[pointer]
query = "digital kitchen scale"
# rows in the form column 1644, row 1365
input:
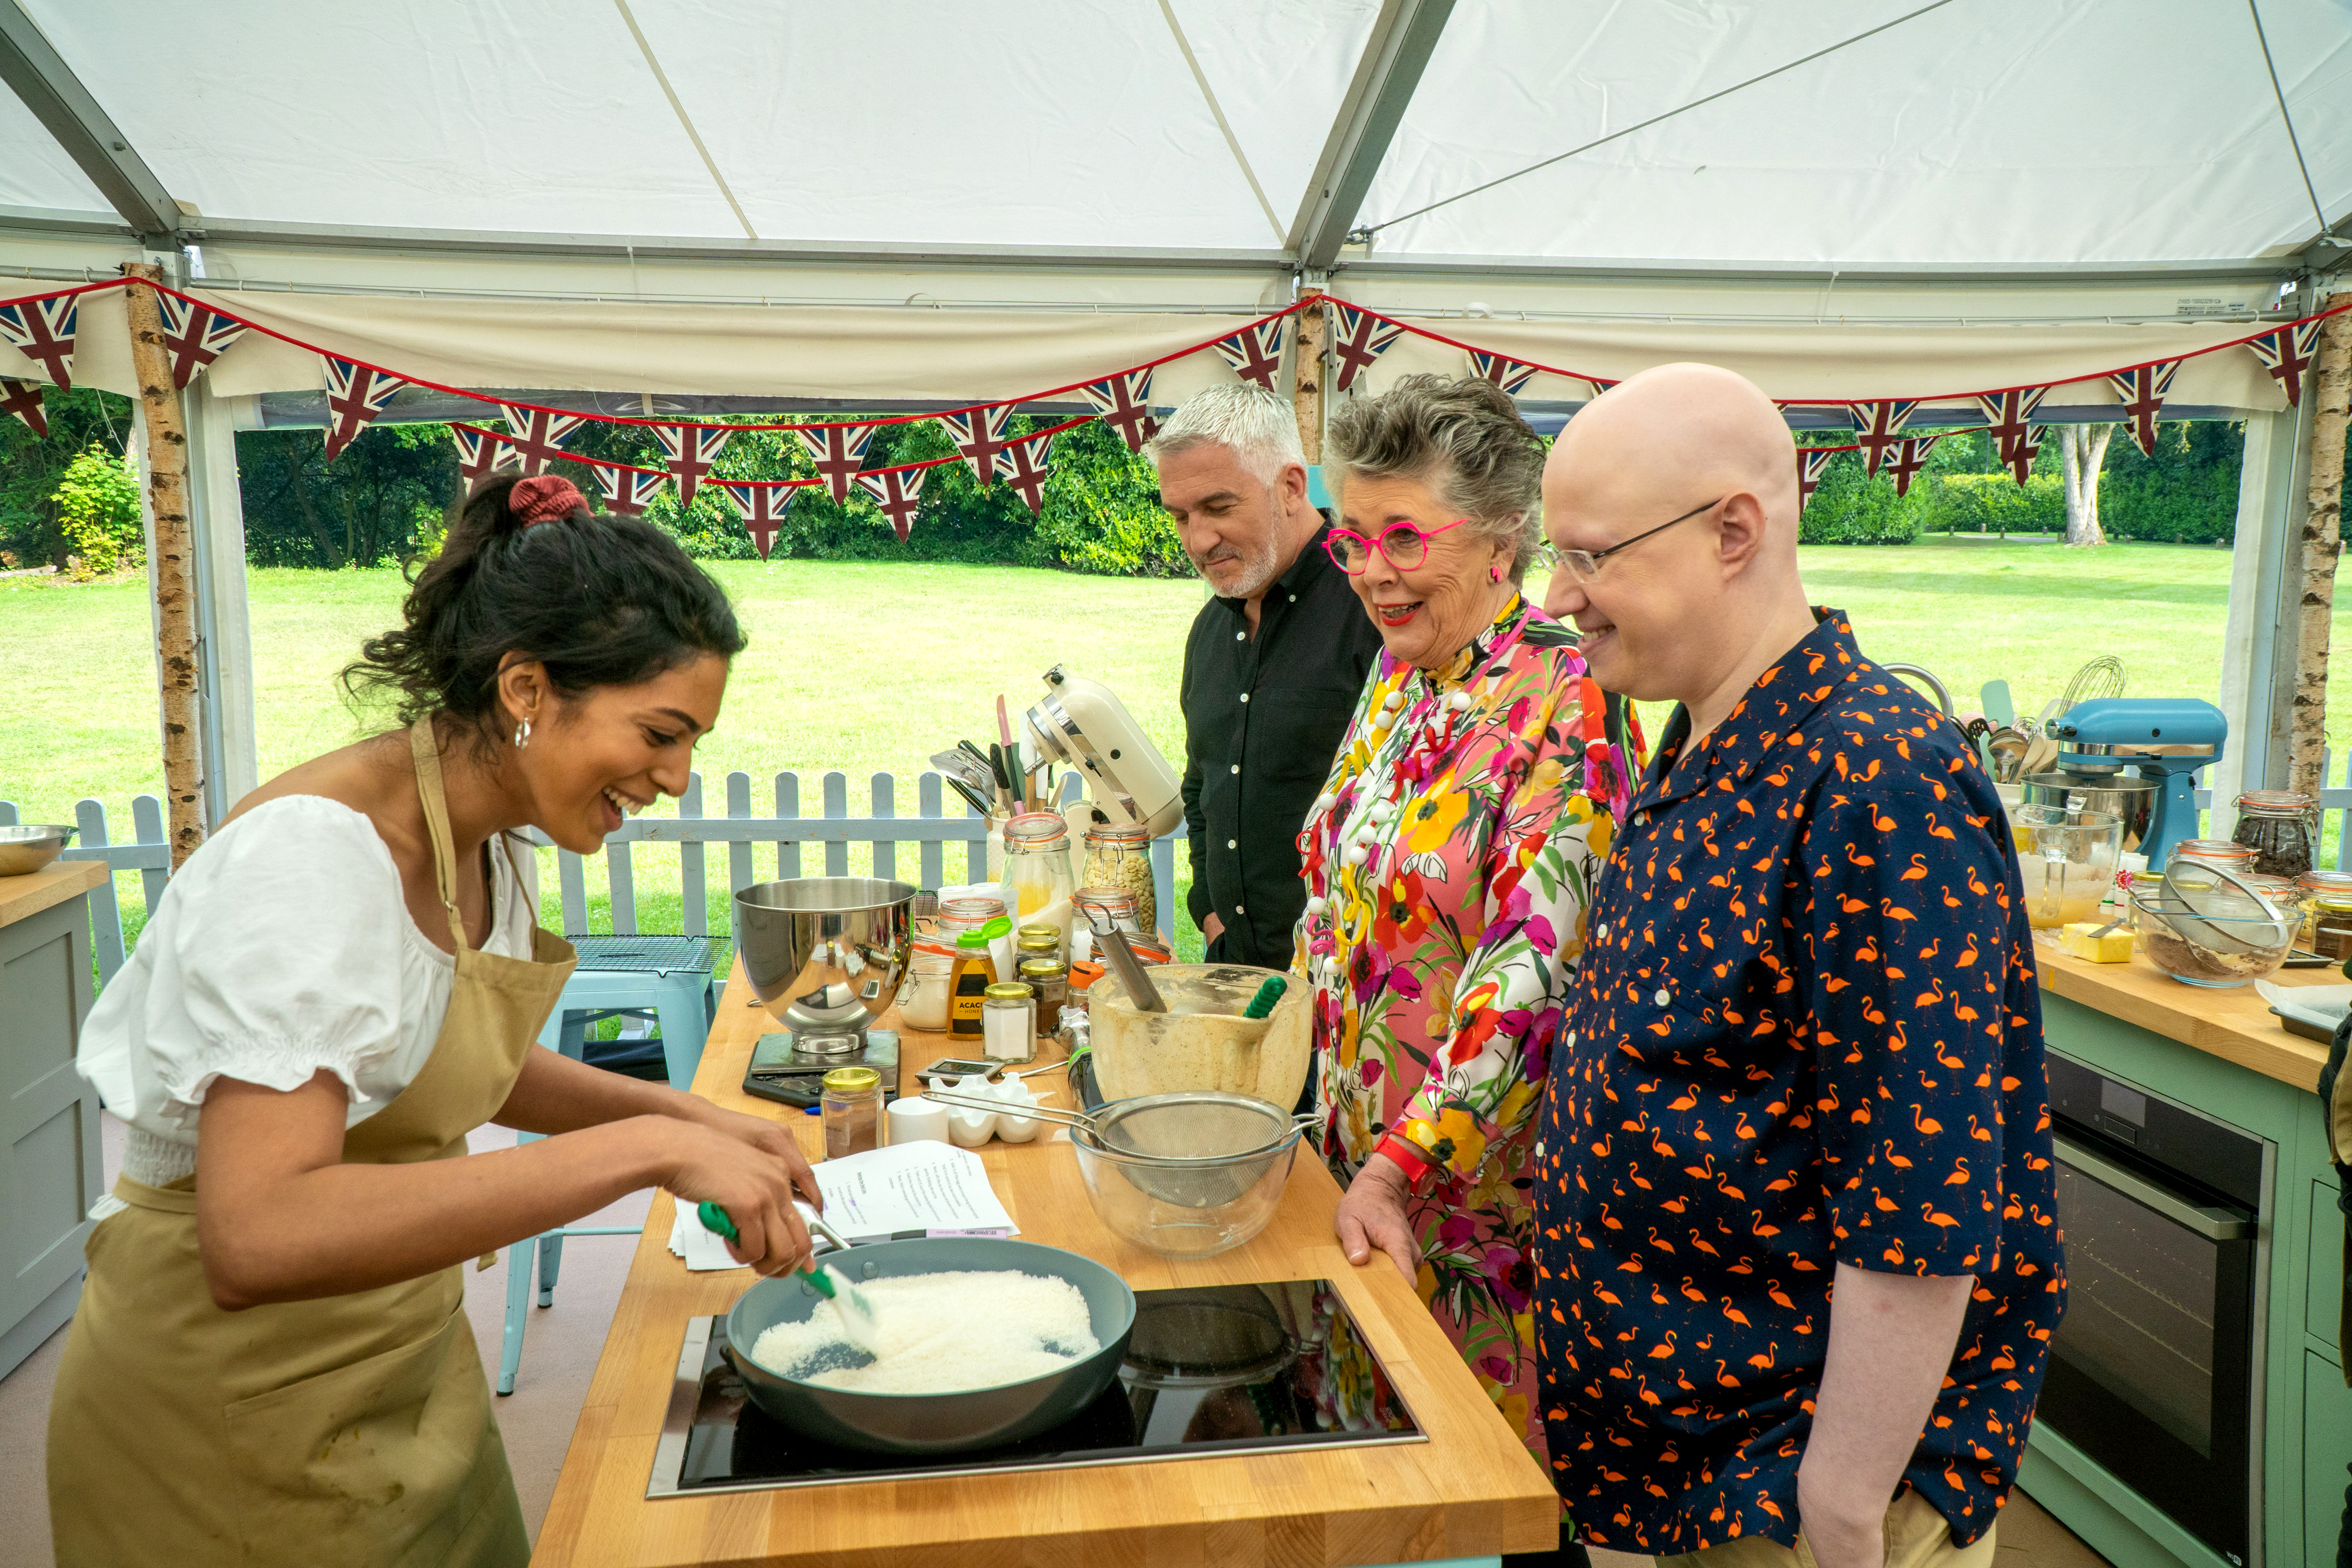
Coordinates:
column 1226, row 1369
column 780, row 1071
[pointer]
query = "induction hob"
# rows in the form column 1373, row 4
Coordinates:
column 1228, row 1369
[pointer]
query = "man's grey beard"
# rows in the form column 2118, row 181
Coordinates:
column 1257, row 573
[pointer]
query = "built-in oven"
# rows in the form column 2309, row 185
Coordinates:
column 2156, row 1371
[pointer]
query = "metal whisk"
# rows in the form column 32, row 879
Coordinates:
column 2103, row 677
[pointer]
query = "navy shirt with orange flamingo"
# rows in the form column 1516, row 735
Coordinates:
column 1805, row 1032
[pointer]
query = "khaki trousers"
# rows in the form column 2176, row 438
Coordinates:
column 1916, row 1537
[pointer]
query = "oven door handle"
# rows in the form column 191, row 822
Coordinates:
column 2212, row 1224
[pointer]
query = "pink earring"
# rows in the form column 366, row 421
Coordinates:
column 1494, row 573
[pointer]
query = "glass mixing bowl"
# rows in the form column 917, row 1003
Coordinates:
column 2068, row 860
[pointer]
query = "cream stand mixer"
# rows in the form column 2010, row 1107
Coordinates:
column 1082, row 724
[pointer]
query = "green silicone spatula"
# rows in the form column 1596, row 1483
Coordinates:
column 1999, row 707
column 859, row 1323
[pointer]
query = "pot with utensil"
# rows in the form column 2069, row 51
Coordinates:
column 932, row 1423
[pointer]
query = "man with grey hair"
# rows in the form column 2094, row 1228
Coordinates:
column 1272, row 668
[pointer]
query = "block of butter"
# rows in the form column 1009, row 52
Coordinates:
column 2077, row 939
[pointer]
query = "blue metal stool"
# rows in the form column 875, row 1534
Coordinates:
column 668, row 977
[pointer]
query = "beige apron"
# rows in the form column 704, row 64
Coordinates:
column 352, row 1430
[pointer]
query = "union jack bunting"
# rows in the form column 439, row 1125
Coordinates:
column 1360, row 339
column 628, row 491
column 1810, row 462
column 1878, row 427
column 761, row 506
column 1255, row 351
column 1121, row 400
column 1909, row 456
column 480, row 453
column 1027, row 468
column 194, row 336
column 2141, row 392
column 1503, row 372
column 837, row 450
column 689, row 450
column 44, row 330
column 356, row 394
column 979, row 438
column 2286, row 351
column 896, row 491
column 539, row 435
column 2008, row 420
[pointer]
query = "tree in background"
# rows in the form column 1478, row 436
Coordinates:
column 97, row 511
column 2081, row 454
column 32, row 532
column 381, row 500
column 385, row 499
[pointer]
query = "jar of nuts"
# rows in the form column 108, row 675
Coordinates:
column 1118, row 855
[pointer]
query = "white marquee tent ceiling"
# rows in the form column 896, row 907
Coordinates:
column 1981, row 132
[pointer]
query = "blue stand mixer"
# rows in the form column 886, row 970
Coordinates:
column 2108, row 734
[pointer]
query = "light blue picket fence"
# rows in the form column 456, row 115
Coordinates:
column 922, row 840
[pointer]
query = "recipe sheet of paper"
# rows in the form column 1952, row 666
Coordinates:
column 702, row 1247
column 911, row 1189
column 886, row 1195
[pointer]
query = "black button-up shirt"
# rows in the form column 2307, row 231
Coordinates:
column 1805, row 1032
column 1264, row 717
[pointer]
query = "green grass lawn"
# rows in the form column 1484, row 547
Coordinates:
column 871, row 667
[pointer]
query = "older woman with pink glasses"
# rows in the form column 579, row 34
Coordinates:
column 1448, row 860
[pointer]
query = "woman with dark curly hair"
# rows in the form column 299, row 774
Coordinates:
column 272, row 1362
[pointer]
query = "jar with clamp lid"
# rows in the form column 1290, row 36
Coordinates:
column 2326, row 913
column 2226, row 853
column 2282, row 828
column 1037, row 869
column 852, row 1105
column 1118, row 855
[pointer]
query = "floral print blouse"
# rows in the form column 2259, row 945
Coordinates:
column 1448, row 861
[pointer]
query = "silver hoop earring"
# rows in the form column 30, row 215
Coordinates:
column 522, row 734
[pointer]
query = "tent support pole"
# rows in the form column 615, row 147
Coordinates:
column 2330, row 391
column 224, row 625
column 172, row 564
column 2258, row 643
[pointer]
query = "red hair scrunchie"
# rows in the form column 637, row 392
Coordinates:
column 543, row 498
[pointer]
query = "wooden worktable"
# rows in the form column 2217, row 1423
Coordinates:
column 1471, row 1490
column 51, row 885
column 2235, row 1025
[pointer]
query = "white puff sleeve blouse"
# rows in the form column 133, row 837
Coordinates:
column 283, row 947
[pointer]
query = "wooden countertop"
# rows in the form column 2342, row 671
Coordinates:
column 1471, row 1490
column 2235, row 1025
column 52, row 884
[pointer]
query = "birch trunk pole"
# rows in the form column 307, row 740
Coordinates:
column 1307, row 380
column 174, row 564
column 2330, row 382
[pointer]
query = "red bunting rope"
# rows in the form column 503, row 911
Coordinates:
column 1205, row 344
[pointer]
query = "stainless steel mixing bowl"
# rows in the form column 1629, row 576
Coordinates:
column 2127, row 795
column 825, row 952
column 29, row 847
